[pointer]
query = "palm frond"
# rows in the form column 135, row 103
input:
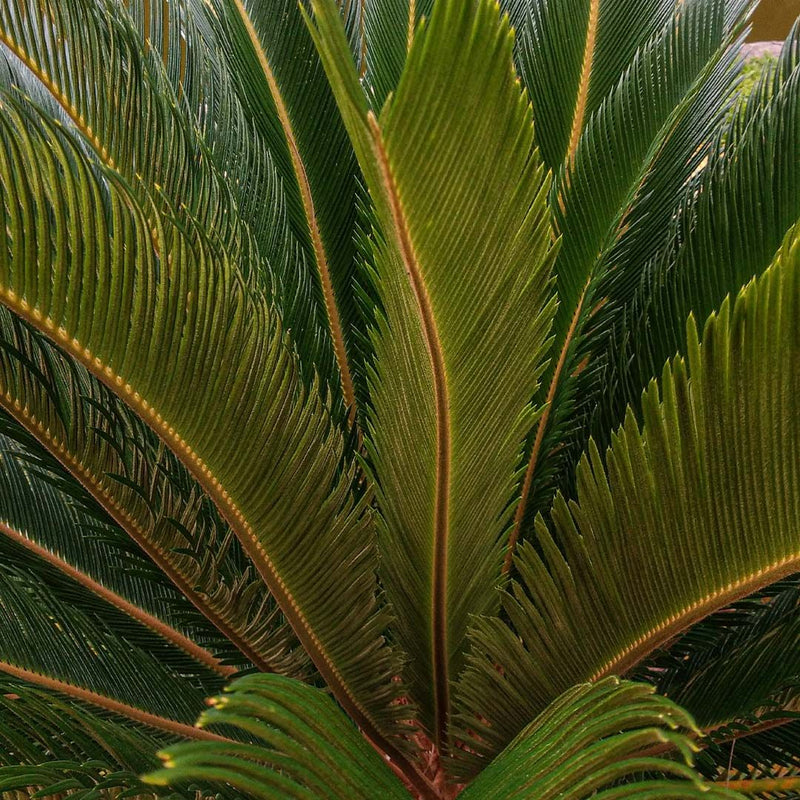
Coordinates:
column 389, row 28
column 683, row 518
column 282, row 85
column 113, row 466
column 612, row 200
column 728, row 229
column 51, row 644
column 303, row 747
column 38, row 726
column 463, row 268
column 261, row 445
column 592, row 742
column 570, row 54
column 40, row 522
column 737, row 662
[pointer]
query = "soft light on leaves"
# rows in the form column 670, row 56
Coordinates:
column 681, row 518
column 301, row 747
column 463, row 267
column 160, row 314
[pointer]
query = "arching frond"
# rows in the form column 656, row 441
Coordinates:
column 691, row 513
column 463, row 276
column 570, row 54
column 159, row 319
column 53, row 645
column 613, row 200
column 592, row 742
column 283, row 87
column 303, row 747
column 109, row 458
column 77, row 558
column 728, row 230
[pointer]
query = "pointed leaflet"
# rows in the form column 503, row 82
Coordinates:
column 302, row 747
column 463, row 268
column 166, row 319
column 589, row 743
column 697, row 510
column 282, row 85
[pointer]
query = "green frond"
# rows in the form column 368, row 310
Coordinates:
column 571, row 54
column 613, row 200
column 113, row 465
column 46, row 534
column 389, row 28
column 303, row 747
column 680, row 519
column 262, row 446
column 57, row 646
column 193, row 146
column 282, row 86
column 760, row 747
column 463, row 275
column 734, row 663
column 592, row 742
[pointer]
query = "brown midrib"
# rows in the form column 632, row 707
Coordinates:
column 320, row 256
column 140, row 615
column 109, row 704
column 441, row 519
column 541, row 429
column 93, row 486
column 656, row 637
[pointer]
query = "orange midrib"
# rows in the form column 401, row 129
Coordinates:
column 441, row 521
column 109, row 704
column 541, row 428
column 586, row 75
column 321, row 258
column 140, row 615
column 94, row 487
column 231, row 514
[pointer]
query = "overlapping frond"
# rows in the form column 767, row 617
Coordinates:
column 302, row 747
column 592, row 742
column 56, row 646
column 695, row 511
column 463, row 268
column 159, row 313
column 39, row 726
column 613, row 202
column 175, row 131
column 83, row 562
column 111, row 458
column 282, row 86
column 740, row 661
column 728, row 229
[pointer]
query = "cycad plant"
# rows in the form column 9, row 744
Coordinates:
column 435, row 364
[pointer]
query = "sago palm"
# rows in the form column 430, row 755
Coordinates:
column 431, row 364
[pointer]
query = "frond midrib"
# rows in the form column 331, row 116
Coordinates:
column 156, row 625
